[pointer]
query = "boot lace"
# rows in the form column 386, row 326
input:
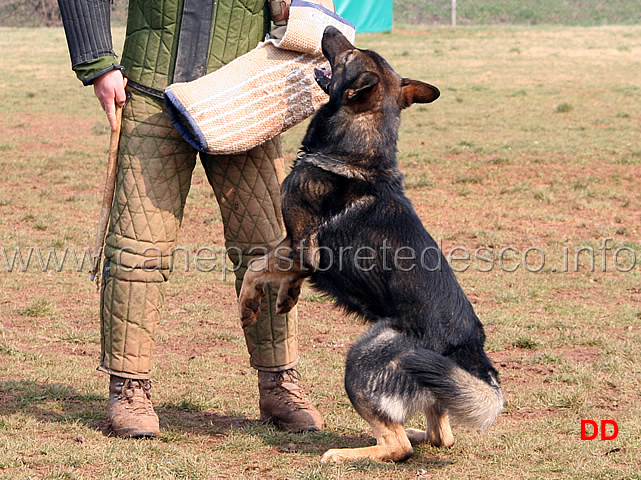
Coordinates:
column 138, row 402
column 288, row 390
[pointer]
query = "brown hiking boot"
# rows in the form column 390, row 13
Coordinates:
column 284, row 402
column 131, row 413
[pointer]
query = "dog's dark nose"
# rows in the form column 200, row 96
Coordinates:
column 332, row 33
column 331, row 30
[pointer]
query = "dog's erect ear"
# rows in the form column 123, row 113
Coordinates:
column 362, row 84
column 414, row 91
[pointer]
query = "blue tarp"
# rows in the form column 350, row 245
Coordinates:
column 366, row 15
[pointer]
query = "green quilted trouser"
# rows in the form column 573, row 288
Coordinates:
column 154, row 176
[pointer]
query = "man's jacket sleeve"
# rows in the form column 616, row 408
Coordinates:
column 87, row 26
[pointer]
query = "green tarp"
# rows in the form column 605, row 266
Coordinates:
column 366, row 15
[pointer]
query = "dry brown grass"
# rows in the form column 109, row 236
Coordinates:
column 533, row 144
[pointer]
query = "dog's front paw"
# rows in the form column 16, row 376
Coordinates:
column 285, row 303
column 249, row 305
column 334, row 456
column 288, row 294
column 249, row 314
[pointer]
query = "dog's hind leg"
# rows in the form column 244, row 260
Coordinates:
column 438, row 432
column 391, row 444
column 415, row 435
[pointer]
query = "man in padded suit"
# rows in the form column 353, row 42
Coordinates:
column 171, row 41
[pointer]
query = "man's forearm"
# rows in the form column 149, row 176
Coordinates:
column 87, row 26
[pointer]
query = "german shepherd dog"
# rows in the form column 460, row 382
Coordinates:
column 352, row 231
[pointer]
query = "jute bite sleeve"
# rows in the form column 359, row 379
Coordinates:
column 260, row 94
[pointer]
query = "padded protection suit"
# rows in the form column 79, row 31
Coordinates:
column 168, row 41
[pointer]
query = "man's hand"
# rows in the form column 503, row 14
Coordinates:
column 110, row 90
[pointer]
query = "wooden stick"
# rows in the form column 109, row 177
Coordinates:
column 107, row 198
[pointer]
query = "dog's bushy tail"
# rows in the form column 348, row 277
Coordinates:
column 468, row 399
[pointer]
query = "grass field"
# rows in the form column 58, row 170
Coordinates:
column 527, row 169
column 550, row 12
